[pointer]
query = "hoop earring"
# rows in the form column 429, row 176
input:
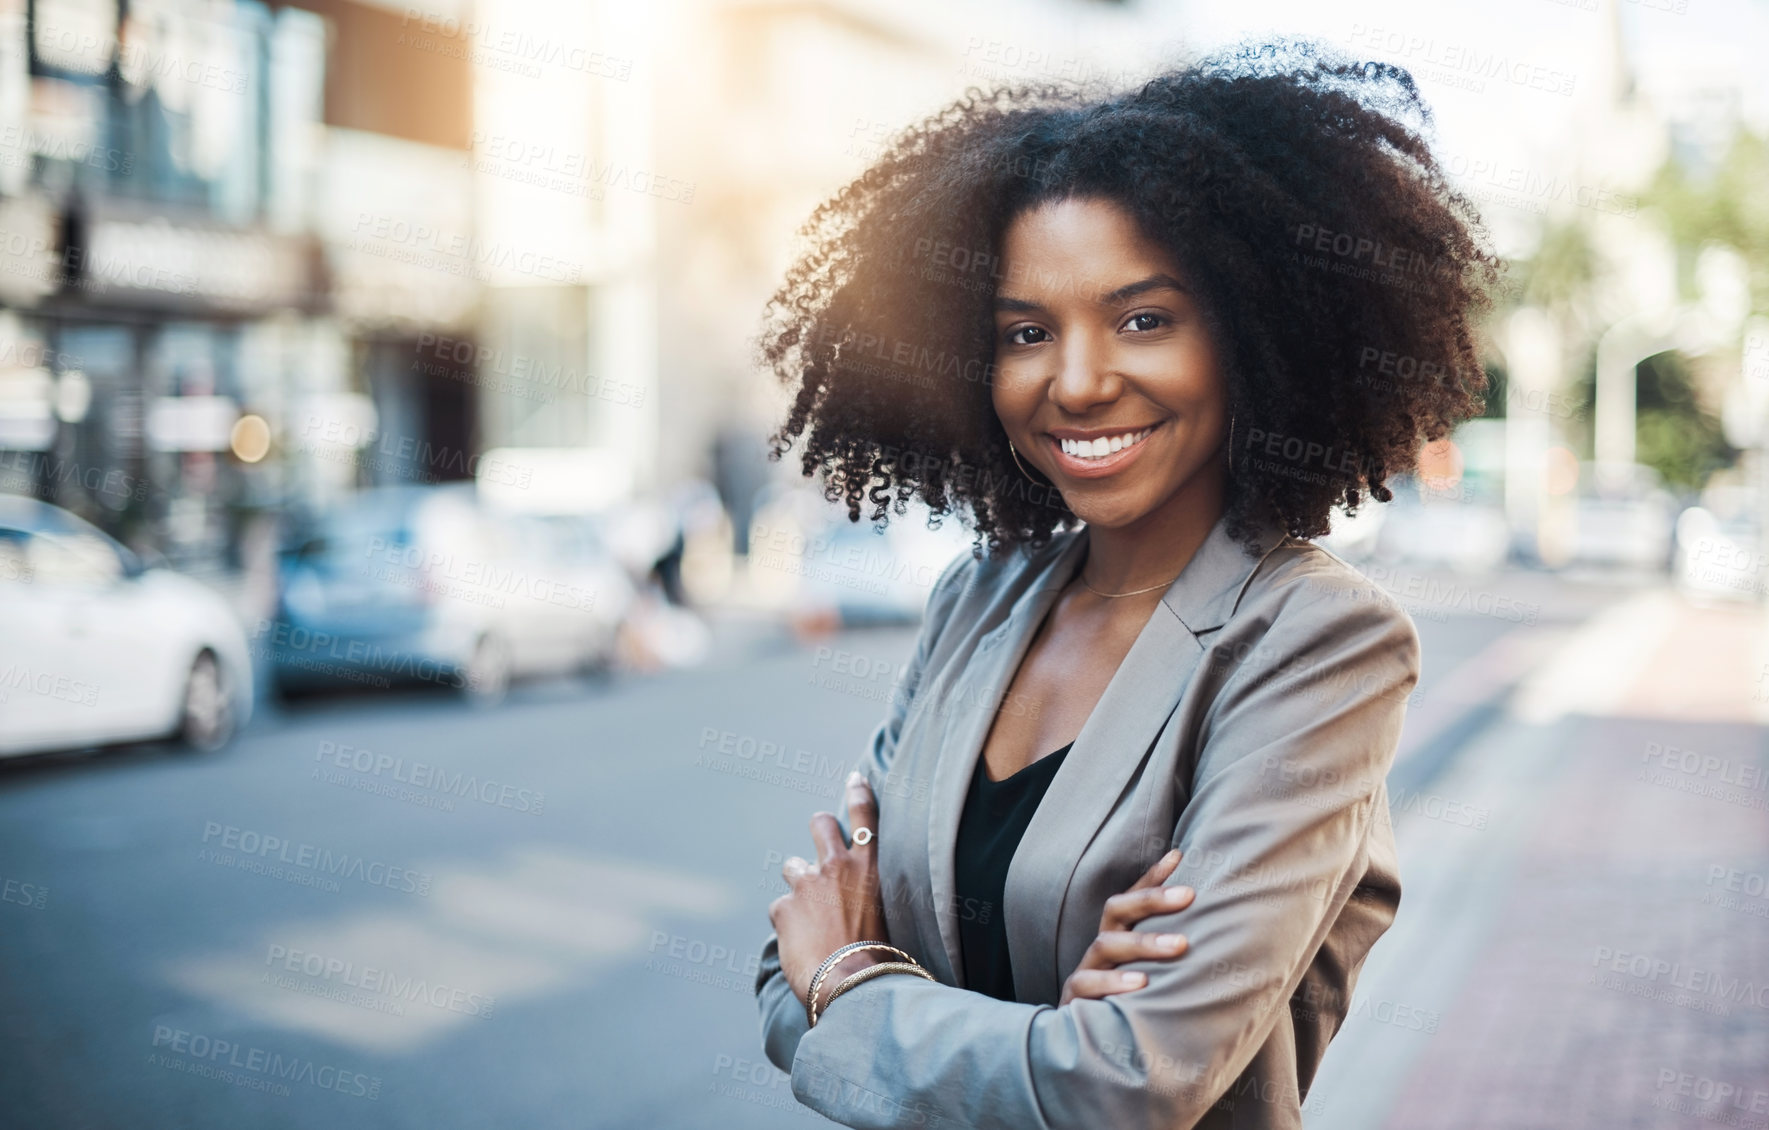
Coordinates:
column 1021, row 466
column 1229, row 447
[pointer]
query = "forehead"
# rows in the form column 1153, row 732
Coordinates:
column 1078, row 246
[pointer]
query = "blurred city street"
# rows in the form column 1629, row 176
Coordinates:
column 569, row 940
column 414, row 670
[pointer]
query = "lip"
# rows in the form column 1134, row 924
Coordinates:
column 1103, row 466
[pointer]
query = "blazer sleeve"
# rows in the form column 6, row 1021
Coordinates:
column 783, row 1015
column 1294, row 753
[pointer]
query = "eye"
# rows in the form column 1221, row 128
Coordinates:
column 1018, row 336
column 1145, row 322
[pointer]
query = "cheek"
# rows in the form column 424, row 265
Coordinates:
column 1013, row 390
column 1183, row 378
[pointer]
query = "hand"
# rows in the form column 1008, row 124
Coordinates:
column 1117, row 943
column 833, row 901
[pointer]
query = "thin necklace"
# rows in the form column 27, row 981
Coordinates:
column 1132, row 592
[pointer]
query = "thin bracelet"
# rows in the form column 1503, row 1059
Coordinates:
column 869, row 973
column 835, row 959
column 830, row 962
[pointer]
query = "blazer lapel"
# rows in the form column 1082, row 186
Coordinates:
column 971, row 701
column 1117, row 736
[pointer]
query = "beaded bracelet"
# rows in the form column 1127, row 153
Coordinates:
column 830, row 962
column 869, row 973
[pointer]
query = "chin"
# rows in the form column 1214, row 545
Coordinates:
column 1109, row 514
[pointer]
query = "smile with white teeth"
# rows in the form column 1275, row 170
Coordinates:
column 1104, row 445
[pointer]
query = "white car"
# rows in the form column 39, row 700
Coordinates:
column 98, row 648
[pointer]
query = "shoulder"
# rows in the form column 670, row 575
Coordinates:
column 1303, row 596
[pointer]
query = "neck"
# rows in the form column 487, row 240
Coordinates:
column 1155, row 548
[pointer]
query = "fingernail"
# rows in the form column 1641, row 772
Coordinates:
column 1174, row 854
column 854, row 778
column 1178, row 894
column 1132, row 978
column 1168, row 941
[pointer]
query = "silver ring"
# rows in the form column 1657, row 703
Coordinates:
column 863, row 836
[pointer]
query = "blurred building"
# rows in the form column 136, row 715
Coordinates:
column 149, row 277
column 257, row 257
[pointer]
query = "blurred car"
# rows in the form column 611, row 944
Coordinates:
column 1463, row 529
column 1623, row 520
column 424, row 584
column 830, row 572
column 98, row 647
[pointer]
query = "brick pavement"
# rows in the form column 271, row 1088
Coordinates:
column 1587, row 963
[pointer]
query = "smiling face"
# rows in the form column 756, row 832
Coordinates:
column 1107, row 378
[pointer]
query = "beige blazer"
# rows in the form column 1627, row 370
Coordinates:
column 1252, row 725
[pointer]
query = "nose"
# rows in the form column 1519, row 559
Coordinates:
column 1087, row 378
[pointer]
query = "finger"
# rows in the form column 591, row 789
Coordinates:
column 794, row 868
column 1120, row 947
column 1126, row 910
column 1093, row 984
column 1157, row 874
column 828, row 834
column 862, row 813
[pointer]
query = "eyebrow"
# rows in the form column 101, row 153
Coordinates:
column 1142, row 286
column 1125, row 293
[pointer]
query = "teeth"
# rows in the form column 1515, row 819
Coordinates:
column 1105, row 445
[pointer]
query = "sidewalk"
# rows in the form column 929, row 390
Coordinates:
column 1586, row 942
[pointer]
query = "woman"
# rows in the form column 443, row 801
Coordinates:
column 1124, row 830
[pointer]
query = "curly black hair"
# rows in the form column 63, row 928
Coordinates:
column 1340, row 274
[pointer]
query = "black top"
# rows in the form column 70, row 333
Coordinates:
column 995, row 817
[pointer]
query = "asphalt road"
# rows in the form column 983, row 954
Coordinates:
column 405, row 912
